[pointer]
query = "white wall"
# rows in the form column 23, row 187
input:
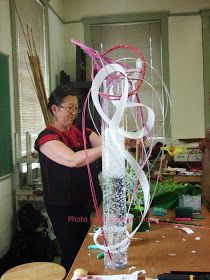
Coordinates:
column 77, row 32
column 75, row 10
column 7, row 215
column 7, row 209
column 58, row 6
column 56, row 45
column 186, row 77
column 185, row 52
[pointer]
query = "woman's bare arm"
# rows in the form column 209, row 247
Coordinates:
column 95, row 140
column 60, row 153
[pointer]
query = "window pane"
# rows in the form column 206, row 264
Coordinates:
column 146, row 37
column 31, row 118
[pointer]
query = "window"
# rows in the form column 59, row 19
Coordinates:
column 150, row 37
column 31, row 120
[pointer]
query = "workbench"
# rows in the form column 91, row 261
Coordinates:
column 164, row 248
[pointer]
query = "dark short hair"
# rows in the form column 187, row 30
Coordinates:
column 58, row 94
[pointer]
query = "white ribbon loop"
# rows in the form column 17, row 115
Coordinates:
column 115, row 129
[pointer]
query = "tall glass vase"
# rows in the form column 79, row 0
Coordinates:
column 114, row 200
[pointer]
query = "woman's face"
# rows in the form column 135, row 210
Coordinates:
column 67, row 111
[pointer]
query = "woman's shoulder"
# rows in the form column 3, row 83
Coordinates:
column 48, row 130
column 46, row 135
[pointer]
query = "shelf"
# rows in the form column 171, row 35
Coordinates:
column 27, row 194
column 187, row 179
column 28, row 160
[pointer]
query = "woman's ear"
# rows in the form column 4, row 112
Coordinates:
column 54, row 109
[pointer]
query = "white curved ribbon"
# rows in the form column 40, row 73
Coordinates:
column 114, row 130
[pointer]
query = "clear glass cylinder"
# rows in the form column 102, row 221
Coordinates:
column 114, row 199
column 115, row 225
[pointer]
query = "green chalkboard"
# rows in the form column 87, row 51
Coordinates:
column 5, row 122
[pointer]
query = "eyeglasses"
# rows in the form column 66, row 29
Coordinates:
column 70, row 109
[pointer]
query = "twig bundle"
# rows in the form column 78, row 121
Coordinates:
column 38, row 80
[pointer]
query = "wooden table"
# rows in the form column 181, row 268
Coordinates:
column 35, row 270
column 165, row 248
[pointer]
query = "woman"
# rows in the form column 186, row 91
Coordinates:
column 64, row 174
